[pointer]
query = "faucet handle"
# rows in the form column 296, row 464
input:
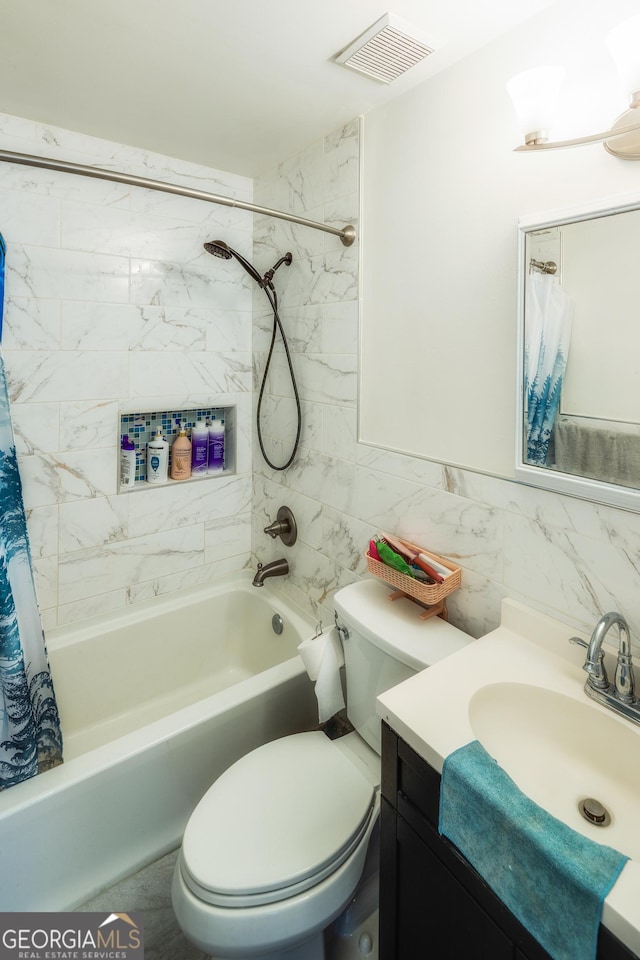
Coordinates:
column 579, row 641
column 597, row 672
column 595, row 668
column 624, row 676
column 284, row 527
column 624, row 679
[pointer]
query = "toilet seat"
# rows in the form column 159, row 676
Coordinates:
column 276, row 823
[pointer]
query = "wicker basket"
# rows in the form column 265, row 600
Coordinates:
column 429, row 593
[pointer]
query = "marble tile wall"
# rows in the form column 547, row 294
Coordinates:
column 569, row 558
column 112, row 306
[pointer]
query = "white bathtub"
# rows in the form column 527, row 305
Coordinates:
column 155, row 703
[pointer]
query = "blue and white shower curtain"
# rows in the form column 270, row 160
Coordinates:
column 30, row 735
column 547, row 336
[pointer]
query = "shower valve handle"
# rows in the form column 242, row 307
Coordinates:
column 284, row 527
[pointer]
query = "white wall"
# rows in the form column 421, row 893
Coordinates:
column 442, row 194
column 567, row 557
column 111, row 305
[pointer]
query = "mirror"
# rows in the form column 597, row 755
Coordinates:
column 578, row 404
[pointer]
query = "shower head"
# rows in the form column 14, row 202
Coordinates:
column 221, row 249
column 218, row 248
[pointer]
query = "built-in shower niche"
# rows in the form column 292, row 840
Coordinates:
column 141, row 427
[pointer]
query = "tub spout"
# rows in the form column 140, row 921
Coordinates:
column 277, row 568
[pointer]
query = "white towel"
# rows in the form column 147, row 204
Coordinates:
column 323, row 657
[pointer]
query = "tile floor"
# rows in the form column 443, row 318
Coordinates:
column 149, row 891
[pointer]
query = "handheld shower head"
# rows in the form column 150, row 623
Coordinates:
column 221, row 249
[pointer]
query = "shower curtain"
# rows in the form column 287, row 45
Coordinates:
column 30, row 735
column 548, row 321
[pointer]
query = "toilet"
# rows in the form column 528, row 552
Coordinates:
column 275, row 850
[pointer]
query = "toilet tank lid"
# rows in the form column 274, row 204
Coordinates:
column 395, row 627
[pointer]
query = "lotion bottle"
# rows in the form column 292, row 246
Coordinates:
column 181, row 456
column 127, row 463
column 157, row 459
column 199, row 448
column 215, row 462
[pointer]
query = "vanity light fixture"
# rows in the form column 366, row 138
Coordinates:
column 535, row 94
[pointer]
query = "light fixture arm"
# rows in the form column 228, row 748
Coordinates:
column 579, row 141
column 535, row 97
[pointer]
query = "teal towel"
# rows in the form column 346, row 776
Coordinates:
column 552, row 878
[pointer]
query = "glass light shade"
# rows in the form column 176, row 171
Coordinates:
column 624, row 46
column 535, row 98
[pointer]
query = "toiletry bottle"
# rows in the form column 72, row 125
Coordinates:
column 157, row 459
column 181, row 456
column 199, row 449
column 127, row 463
column 215, row 463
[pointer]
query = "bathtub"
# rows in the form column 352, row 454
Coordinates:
column 155, row 703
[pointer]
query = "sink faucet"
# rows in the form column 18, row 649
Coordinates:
column 619, row 696
column 594, row 663
column 277, row 568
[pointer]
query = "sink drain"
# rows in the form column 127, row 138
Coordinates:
column 593, row 811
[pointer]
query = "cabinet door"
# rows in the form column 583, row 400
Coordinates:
column 432, row 903
column 435, row 916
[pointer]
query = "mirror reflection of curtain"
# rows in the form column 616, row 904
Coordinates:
column 30, row 735
column 547, row 336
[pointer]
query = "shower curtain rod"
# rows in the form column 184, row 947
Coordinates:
column 347, row 234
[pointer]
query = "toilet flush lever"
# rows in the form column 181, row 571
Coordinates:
column 343, row 632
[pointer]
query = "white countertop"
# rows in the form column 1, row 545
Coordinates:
column 430, row 711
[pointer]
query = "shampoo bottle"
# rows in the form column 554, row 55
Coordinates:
column 181, row 456
column 216, row 447
column 199, row 449
column 127, row 463
column 157, row 459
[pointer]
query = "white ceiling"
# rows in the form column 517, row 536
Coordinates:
column 236, row 85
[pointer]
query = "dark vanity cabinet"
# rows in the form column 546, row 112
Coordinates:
column 432, row 902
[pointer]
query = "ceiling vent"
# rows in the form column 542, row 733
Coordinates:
column 386, row 50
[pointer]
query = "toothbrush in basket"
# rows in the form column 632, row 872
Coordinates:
column 412, row 554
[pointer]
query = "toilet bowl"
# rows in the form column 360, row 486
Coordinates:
column 274, row 851
column 288, row 853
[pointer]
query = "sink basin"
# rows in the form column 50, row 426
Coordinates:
column 559, row 751
column 519, row 690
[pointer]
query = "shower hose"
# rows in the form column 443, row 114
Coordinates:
column 277, row 325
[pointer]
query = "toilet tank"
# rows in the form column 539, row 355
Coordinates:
column 384, row 644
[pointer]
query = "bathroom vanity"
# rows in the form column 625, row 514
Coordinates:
column 430, row 896
column 519, row 692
